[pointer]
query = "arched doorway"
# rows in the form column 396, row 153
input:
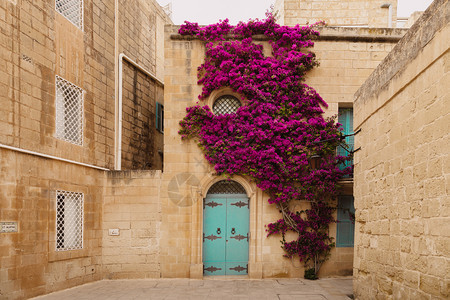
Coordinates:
column 226, row 220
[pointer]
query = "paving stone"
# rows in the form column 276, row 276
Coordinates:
column 214, row 288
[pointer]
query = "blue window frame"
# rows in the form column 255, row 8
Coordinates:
column 345, row 117
column 345, row 232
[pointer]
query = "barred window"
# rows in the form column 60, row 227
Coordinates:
column 72, row 10
column 69, row 220
column 69, row 112
column 226, row 105
column 226, row 187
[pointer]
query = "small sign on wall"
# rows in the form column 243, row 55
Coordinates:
column 114, row 232
column 6, row 227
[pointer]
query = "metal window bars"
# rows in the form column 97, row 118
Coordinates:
column 72, row 10
column 226, row 104
column 69, row 220
column 226, row 187
column 69, row 112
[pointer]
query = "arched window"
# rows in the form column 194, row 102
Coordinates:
column 226, row 104
column 226, row 187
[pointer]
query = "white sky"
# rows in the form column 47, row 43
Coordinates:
column 211, row 11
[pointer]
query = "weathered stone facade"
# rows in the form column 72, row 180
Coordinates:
column 147, row 223
column 335, row 12
column 38, row 44
column 402, row 171
column 347, row 56
column 30, row 265
column 141, row 37
column 131, row 205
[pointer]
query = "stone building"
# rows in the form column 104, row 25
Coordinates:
column 61, row 107
column 354, row 13
column 92, row 93
column 402, row 173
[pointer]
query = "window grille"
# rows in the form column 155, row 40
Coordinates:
column 159, row 117
column 226, row 105
column 72, row 10
column 69, row 220
column 69, row 112
column 226, row 187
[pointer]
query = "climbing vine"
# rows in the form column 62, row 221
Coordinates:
column 277, row 132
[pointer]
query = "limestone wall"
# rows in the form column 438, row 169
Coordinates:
column 30, row 264
column 402, row 171
column 335, row 12
column 39, row 43
column 141, row 141
column 131, row 205
column 183, row 162
column 347, row 56
column 141, row 38
column 124, row 200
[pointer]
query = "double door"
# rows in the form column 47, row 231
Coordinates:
column 225, row 234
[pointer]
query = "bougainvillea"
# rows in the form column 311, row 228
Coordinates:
column 278, row 130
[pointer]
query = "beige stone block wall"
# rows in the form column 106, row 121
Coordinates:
column 347, row 56
column 39, row 43
column 30, row 264
column 335, row 12
column 141, row 37
column 141, row 141
column 183, row 162
column 402, row 171
column 141, row 27
column 278, row 10
column 131, row 205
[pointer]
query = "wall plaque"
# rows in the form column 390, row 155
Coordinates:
column 6, row 227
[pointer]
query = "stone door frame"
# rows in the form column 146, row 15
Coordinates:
column 255, row 243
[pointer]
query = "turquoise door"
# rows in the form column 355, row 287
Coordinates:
column 225, row 234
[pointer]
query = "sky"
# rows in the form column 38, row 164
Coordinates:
column 211, row 11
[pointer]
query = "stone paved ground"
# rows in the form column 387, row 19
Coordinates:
column 322, row 289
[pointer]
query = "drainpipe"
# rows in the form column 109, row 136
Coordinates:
column 388, row 5
column 122, row 57
column 116, row 84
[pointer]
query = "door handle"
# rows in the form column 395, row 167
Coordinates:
column 218, row 231
column 233, row 231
